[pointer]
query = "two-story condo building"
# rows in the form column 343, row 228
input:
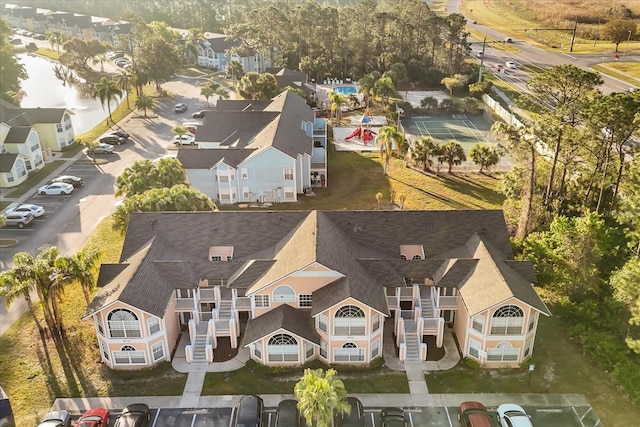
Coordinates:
column 258, row 151
column 294, row 286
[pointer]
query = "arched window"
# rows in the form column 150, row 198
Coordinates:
column 349, row 320
column 123, row 324
column 507, row 320
column 284, row 293
column 403, row 256
column 416, row 257
column 349, row 353
column 282, row 348
column 503, row 352
column 128, row 355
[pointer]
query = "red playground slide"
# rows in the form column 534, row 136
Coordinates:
column 355, row 133
column 367, row 136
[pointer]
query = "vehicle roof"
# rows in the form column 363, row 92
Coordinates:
column 287, row 413
column 250, row 405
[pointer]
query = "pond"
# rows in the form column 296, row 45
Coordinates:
column 43, row 89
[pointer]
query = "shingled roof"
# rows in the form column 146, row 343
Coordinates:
column 206, row 158
column 17, row 135
column 285, row 317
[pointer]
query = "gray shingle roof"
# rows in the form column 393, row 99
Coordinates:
column 297, row 321
column 206, row 158
column 230, row 126
column 17, row 135
column 363, row 246
column 7, row 160
column 29, row 116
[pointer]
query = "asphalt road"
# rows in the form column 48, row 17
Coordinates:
column 71, row 219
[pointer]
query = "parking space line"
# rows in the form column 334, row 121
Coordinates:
column 578, row 416
column 446, row 411
column 155, row 419
column 193, row 420
column 585, row 414
column 410, row 419
column 233, row 411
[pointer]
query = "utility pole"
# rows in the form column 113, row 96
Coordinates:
column 484, row 45
column 627, row 48
column 573, row 35
column 597, row 33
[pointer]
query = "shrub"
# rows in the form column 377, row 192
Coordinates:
column 627, row 373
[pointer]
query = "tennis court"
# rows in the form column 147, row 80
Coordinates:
column 458, row 129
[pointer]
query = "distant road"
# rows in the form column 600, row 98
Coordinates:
column 531, row 55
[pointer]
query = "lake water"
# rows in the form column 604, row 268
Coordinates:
column 44, row 89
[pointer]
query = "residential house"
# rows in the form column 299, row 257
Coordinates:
column 217, row 50
column 20, row 153
column 53, row 124
column 258, row 151
column 295, row 286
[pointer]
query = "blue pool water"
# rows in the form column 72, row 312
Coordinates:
column 345, row 90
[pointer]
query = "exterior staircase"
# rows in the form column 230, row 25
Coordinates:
column 225, row 310
column 412, row 342
column 427, row 308
column 199, row 347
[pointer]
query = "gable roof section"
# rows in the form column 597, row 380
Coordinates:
column 392, row 272
column 296, row 321
column 457, row 273
column 492, row 281
column 17, row 135
column 7, row 160
column 242, row 104
column 29, row 116
column 207, row 158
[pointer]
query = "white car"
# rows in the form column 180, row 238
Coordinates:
column 510, row 64
column 17, row 219
column 512, row 415
column 103, row 148
column 187, row 139
column 56, row 188
column 36, row 210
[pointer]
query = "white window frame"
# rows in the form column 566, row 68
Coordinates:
column 375, row 322
column 349, row 352
column 474, row 348
column 309, row 350
column 507, row 325
column 287, row 174
column 261, row 301
column 128, row 328
column 157, row 350
column 132, row 356
column 100, row 325
column 245, row 192
column 503, row 352
column 350, row 325
column 477, row 322
column 154, row 325
column 282, row 352
column 257, row 350
column 323, row 323
column 284, row 293
column 289, row 192
column 375, row 349
column 245, row 174
column 104, row 349
column 305, row 300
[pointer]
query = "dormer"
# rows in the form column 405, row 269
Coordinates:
column 411, row 252
column 220, row 253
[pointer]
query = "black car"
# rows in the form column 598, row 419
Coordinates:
column 287, row 414
column 136, row 415
column 121, row 134
column 69, row 179
column 113, row 140
column 250, row 412
column 199, row 114
column 355, row 418
column 393, row 417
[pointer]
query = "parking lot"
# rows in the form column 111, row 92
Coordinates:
column 568, row 416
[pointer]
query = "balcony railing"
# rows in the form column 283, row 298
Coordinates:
column 431, row 324
column 207, row 294
column 448, row 303
column 185, row 304
column 243, row 303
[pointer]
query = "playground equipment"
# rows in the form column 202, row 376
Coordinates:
column 365, row 134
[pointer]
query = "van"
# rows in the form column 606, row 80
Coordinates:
column 250, row 412
column 473, row 414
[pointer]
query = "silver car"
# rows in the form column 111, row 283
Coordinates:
column 103, row 148
column 18, row 219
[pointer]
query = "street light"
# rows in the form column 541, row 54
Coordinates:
column 627, row 48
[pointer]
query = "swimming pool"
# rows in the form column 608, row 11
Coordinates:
column 345, row 90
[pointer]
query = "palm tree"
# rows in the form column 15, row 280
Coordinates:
column 56, row 38
column 234, row 70
column 107, row 91
column 19, row 282
column 485, row 156
column 452, row 153
column 429, row 103
column 387, row 137
column 82, row 266
column 100, row 59
column 52, row 277
column 124, row 80
column 422, row 149
column 384, row 88
column 192, row 40
column 337, row 99
column 319, row 394
column 144, row 103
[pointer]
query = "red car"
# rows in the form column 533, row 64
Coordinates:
column 98, row 417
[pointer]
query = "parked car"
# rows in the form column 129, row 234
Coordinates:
column 103, row 148
column 36, row 210
column 40, row 37
column 473, row 414
column 199, row 114
column 498, row 67
column 31, row 47
column 192, row 126
column 56, row 419
column 135, row 415
column 393, row 417
column 250, row 412
column 18, row 219
column 16, row 41
column 479, row 53
column 508, row 40
column 512, row 415
column 121, row 133
column 355, row 418
column 56, row 188
column 69, row 179
column 113, row 139
column 187, row 139
column 287, row 414
column 180, row 107
column 97, row 417
column 511, row 64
